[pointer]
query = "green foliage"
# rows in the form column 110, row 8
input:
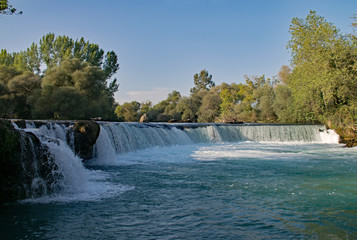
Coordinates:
column 202, row 81
column 164, row 110
column 110, row 65
column 6, row 58
column 7, row 8
column 53, row 50
column 283, row 75
column 73, row 90
column 210, row 106
column 229, row 96
column 75, row 85
column 283, row 104
column 15, row 88
column 323, row 81
column 128, row 112
column 187, row 107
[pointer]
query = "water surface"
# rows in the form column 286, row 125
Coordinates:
column 224, row 190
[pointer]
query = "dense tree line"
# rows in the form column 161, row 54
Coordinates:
column 319, row 87
column 250, row 102
column 75, row 82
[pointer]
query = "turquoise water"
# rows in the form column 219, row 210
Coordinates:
column 236, row 190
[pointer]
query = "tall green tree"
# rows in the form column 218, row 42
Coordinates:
column 202, row 81
column 210, row 106
column 80, row 81
column 77, row 69
column 187, row 107
column 15, row 88
column 6, row 58
column 230, row 96
column 264, row 95
column 324, row 69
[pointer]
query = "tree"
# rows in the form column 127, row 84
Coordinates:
column 229, row 97
column 283, row 74
column 28, row 60
column 6, row 58
column 202, row 81
column 322, row 81
column 187, row 107
column 145, row 107
column 311, row 38
column 210, row 107
column 78, row 69
column 283, row 104
column 7, row 8
column 15, row 88
column 128, row 112
column 80, row 81
column 171, row 102
column 324, row 64
column 264, row 96
column 53, row 50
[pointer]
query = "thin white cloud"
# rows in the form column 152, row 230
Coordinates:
column 154, row 95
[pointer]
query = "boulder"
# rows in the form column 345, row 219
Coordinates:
column 85, row 134
column 144, row 118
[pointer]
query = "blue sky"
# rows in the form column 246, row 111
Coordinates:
column 161, row 44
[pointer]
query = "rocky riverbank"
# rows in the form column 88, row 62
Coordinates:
column 348, row 136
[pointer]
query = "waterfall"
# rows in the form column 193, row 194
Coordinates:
column 50, row 165
column 68, row 174
column 259, row 133
column 118, row 138
column 127, row 137
column 44, row 165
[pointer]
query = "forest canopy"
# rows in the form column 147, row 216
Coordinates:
column 75, row 82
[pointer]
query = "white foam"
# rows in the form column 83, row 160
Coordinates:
column 329, row 136
column 104, row 150
column 74, row 182
column 251, row 150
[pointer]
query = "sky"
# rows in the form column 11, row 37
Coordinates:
column 161, row 44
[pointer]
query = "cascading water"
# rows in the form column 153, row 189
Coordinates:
column 65, row 173
column 65, row 177
column 68, row 173
column 118, row 138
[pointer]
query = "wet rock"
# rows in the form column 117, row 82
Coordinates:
column 85, row 134
column 26, row 168
column 144, row 118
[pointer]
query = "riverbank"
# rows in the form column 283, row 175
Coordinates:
column 347, row 136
